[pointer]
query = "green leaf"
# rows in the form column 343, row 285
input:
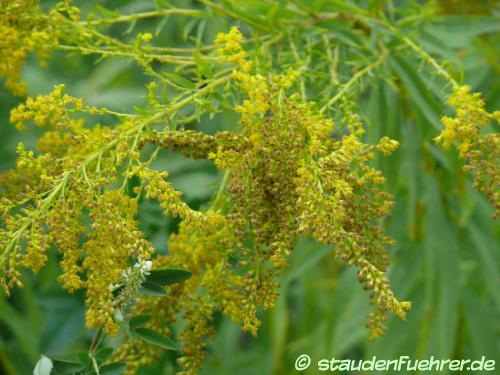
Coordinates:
column 204, row 68
column 153, row 289
column 139, row 320
column 103, row 354
column 117, row 291
column 421, row 93
column 43, row 366
column 459, row 31
column 161, row 25
column 167, row 277
column 486, row 255
column 61, row 328
column 155, row 338
column 160, row 4
column 107, row 12
column 116, row 368
column 480, row 317
column 442, row 252
column 178, row 80
column 66, row 367
column 84, row 358
column 22, row 328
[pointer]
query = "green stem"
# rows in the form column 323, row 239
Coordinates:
column 180, row 60
column 143, row 15
column 355, row 78
column 95, row 341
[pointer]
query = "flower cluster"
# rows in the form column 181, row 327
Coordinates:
column 50, row 196
column 481, row 151
column 114, row 239
column 46, row 110
column 157, row 188
column 132, row 280
column 290, row 172
column 230, row 49
column 287, row 177
column 24, row 28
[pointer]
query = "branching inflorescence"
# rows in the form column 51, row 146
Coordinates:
column 480, row 150
column 290, row 172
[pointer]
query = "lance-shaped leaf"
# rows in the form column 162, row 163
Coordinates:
column 167, row 277
column 155, row 338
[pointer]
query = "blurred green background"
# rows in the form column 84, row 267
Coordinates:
column 446, row 260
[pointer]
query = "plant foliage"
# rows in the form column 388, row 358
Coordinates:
column 314, row 95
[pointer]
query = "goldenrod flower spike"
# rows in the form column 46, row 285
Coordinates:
column 480, row 151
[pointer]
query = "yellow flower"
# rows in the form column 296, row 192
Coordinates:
column 146, row 37
column 480, row 151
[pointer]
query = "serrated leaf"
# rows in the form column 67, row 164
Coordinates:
column 155, row 338
column 167, row 277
